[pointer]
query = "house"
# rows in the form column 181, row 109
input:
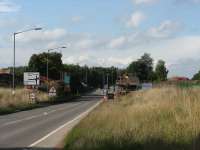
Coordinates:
column 5, row 77
column 178, row 79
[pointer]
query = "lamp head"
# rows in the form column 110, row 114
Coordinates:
column 38, row 29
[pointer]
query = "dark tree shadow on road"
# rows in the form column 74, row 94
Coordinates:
column 25, row 148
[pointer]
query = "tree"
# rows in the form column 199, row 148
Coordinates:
column 196, row 76
column 161, row 71
column 94, row 77
column 38, row 63
column 75, row 73
column 142, row 68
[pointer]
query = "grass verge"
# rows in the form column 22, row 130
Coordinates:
column 165, row 118
column 10, row 104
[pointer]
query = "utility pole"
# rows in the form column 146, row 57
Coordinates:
column 103, row 80
column 14, row 52
column 107, row 84
column 13, row 91
column 48, row 71
column 107, row 81
column 86, row 76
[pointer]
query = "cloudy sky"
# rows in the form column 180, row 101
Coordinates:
column 104, row 32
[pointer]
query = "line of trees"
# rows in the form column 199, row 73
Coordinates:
column 196, row 76
column 143, row 68
column 94, row 77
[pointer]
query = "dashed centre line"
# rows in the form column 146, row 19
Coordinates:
column 33, row 117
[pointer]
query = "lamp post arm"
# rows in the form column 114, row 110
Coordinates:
column 27, row 30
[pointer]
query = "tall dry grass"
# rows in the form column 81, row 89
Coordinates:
column 9, row 103
column 165, row 118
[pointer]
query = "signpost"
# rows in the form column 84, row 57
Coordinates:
column 32, row 81
column 147, row 86
column 67, row 79
column 31, row 78
column 52, row 92
column 32, row 96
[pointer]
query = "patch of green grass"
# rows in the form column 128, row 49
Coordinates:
column 188, row 85
column 19, row 102
column 157, row 119
column 13, row 109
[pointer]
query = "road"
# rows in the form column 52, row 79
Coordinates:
column 22, row 129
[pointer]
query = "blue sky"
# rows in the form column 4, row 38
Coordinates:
column 105, row 32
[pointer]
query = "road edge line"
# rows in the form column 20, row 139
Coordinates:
column 66, row 124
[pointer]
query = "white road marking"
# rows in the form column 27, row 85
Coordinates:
column 66, row 124
column 17, row 121
column 33, row 117
column 91, row 96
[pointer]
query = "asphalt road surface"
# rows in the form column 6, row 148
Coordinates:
column 24, row 128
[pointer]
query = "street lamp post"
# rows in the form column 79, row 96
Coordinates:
column 14, row 48
column 49, row 50
column 107, row 81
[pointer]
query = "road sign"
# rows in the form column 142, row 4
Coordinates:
column 52, row 92
column 32, row 78
column 147, row 86
column 66, row 79
column 32, row 96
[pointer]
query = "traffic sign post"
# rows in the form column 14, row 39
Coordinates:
column 32, row 81
column 32, row 93
column 31, row 78
column 66, row 80
column 52, row 92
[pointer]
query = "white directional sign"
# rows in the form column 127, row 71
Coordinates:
column 31, row 78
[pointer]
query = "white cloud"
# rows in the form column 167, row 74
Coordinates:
column 117, row 43
column 187, row 1
column 143, row 1
column 184, row 67
column 8, row 23
column 166, row 29
column 121, row 62
column 92, row 60
column 7, row 6
column 135, row 19
column 39, row 36
column 84, row 44
column 77, row 19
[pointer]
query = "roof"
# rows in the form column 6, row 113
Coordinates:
column 5, row 71
column 179, row 79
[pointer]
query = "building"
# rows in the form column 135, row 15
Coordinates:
column 5, row 77
column 179, row 79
